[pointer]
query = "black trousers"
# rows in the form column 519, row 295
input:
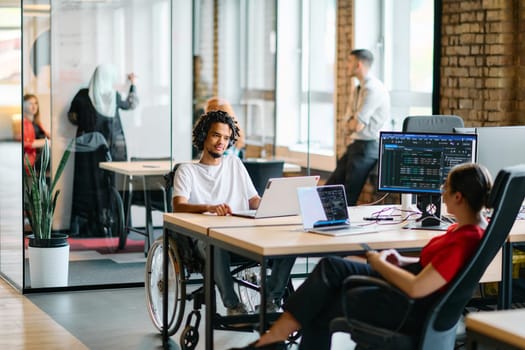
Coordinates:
column 318, row 300
column 353, row 168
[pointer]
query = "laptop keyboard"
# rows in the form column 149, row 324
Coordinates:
column 332, row 228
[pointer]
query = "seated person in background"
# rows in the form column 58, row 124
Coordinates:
column 34, row 132
column 465, row 192
column 220, row 184
column 219, row 104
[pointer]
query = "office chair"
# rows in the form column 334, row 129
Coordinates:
column 441, row 321
column 261, row 171
column 435, row 124
column 432, row 123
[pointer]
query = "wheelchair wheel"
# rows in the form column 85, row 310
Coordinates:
column 247, row 282
column 189, row 338
column 113, row 219
column 155, row 283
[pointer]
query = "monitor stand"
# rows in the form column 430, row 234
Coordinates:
column 430, row 207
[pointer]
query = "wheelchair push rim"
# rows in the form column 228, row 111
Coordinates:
column 155, row 283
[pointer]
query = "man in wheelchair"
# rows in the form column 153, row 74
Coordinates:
column 219, row 184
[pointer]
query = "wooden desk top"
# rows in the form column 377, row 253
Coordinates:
column 202, row 222
column 138, row 168
column 151, row 168
column 284, row 235
column 258, row 237
column 282, row 240
column 506, row 326
column 517, row 233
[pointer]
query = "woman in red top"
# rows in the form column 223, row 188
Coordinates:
column 317, row 300
column 34, row 133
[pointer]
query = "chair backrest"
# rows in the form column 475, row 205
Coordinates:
column 261, row 171
column 506, row 199
column 433, row 123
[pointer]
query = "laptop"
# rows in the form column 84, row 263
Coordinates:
column 324, row 211
column 279, row 197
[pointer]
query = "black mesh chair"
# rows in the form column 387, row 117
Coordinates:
column 261, row 171
column 440, row 323
column 432, row 123
column 436, row 123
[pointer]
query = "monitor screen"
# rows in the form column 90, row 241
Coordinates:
column 499, row 146
column 420, row 162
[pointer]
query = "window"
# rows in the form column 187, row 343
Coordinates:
column 305, row 75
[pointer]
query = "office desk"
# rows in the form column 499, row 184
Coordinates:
column 517, row 235
column 143, row 169
column 263, row 239
column 496, row 330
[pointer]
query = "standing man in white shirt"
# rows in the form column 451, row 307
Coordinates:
column 368, row 112
column 220, row 184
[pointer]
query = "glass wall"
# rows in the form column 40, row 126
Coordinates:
column 11, row 218
column 274, row 61
column 68, row 49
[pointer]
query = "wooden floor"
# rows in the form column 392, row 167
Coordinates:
column 100, row 319
column 25, row 326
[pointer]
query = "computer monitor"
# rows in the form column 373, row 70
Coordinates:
column 419, row 163
column 498, row 146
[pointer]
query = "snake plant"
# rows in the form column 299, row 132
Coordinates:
column 41, row 198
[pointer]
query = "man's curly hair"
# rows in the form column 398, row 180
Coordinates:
column 204, row 123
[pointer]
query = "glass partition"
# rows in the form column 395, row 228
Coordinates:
column 102, row 74
column 274, row 61
column 11, row 218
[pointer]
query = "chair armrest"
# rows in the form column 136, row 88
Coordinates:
column 365, row 299
column 369, row 281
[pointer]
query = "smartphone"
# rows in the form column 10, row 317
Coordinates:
column 366, row 247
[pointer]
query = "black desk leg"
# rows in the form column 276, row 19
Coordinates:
column 209, row 295
column 165, row 277
column 263, row 326
column 149, row 219
column 505, row 293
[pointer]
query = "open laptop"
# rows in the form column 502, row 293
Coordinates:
column 280, row 197
column 324, row 211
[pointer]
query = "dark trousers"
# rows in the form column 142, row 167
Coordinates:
column 324, row 285
column 318, row 300
column 353, row 168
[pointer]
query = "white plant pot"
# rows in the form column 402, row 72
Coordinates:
column 48, row 266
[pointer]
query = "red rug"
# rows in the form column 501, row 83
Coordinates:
column 106, row 245
column 103, row 245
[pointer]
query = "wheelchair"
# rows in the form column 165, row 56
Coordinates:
column 184, row 260
column 98, row 209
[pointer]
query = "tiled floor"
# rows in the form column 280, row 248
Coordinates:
column 118, row 319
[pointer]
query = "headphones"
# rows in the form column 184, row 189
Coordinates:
column 204, row 123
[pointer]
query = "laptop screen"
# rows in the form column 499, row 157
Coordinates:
column 323, row 206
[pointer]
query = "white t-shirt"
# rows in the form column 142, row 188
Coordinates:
column 228, row 182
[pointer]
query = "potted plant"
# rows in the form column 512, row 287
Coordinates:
column 48, row 252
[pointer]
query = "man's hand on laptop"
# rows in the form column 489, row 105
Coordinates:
column 220, row 209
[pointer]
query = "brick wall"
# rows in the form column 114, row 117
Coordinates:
column 482, row 75
column 345, row 43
